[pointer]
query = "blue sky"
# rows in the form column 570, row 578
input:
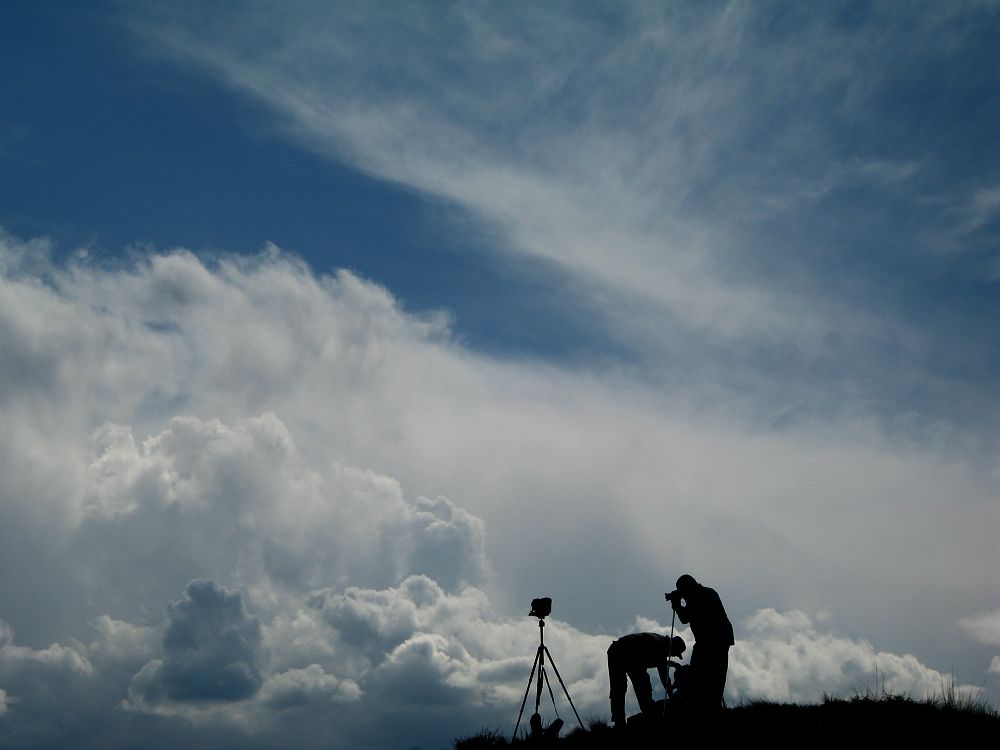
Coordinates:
column 869, row 203
column 106, row 148
column 343, row 318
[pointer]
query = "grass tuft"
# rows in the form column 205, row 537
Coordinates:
column 485, row 738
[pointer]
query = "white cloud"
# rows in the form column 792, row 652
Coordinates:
column 783, row 656
column 119, row 641
column 596, row 163
column 984, row 627
column 722, row 198
column 644, row 169
column 299, row 687
column 15, row 659
column 245, row 422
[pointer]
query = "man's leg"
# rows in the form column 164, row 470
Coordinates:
column 716, row 687
column 643, row 689
column 619, row 684
column 708, row 675
column 701, row 669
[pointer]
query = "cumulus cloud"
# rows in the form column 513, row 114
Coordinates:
column 783, row 656
column 122, row 642
column 15, row 659
column 363, row 505
column 297, row 688
column 381, row 653
column 211, row 650
column 36, row 686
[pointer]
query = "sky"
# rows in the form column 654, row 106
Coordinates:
column 331, row 334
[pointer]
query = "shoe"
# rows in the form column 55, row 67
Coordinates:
column 552, row 730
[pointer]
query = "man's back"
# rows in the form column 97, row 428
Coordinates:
column 648, row 650
column 708, row 618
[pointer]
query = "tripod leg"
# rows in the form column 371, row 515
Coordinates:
column 554, row 667
column 669, row 651
column 541, row 677
column 553, row 729
column 548, row 684
column 534, row 665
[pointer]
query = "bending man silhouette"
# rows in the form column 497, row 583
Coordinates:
column 629, row 657
column 713, row 634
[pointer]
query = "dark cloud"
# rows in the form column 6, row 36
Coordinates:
column 211, row 650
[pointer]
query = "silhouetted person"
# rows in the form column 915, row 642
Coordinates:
column 630, row 656
column 713, row 634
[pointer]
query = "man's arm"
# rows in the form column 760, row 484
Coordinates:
column 681, row 610
column 675, row 600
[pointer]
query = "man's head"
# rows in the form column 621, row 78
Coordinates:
column 672, row 647
column 677, row 647
column 686, row 584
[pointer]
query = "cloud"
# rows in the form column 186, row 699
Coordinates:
column 783, row 656
column 984, row 627
column 211, row 650
column 297, row 688
column 753, row 198
column 245, row 423
column 564, row 180
column 982, row 209
column 122, row 642
column 15, row 659
column 639, row 166
column 659, row 172
column 38, row 684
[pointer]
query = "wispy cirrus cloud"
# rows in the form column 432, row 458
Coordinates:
column 742, row 200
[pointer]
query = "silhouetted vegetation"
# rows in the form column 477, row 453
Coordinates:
column 865, row 720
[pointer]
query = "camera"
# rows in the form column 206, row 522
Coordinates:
column 541, row 607
column 674, row 597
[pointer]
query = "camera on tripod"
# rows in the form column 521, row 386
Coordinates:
column 541, row 607
column 674, row 597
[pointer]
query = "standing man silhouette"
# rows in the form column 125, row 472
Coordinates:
column 713, row 634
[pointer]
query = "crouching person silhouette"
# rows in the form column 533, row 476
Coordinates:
column 628, row 659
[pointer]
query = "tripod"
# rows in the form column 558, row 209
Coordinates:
column 673, row 617
column 543, row 677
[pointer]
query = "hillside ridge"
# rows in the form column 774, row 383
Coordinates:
column 859, row 722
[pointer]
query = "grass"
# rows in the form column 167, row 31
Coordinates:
column 872, row 718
